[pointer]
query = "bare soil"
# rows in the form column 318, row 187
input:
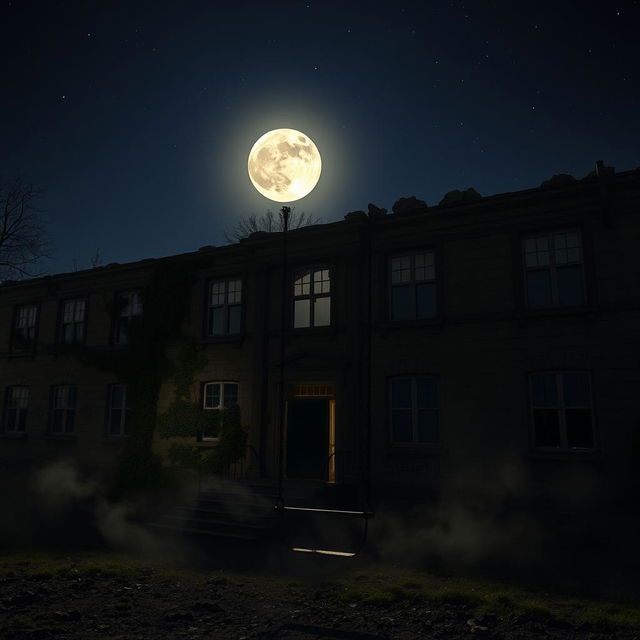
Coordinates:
column 62, row 596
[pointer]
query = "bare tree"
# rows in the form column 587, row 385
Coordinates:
column 22, row 239
column 269, row 222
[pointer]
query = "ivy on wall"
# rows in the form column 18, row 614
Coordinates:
column 187, row 419
column 143, row 365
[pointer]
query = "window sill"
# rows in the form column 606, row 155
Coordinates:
column 544, row 312
column 416, row 449
column 299, row 331
column 13, row 436
column 60, row 436
column 410, row 323
column 208, row 444
column 564, row 454
column 22, row 354
column 115, row 439
column 222, row 339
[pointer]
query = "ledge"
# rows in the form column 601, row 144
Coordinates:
column 62, row 437
column 208, row 444
column 235, row 339
column 14, row 436
column 582, row 455
column 413, row 323
column 546, row 312
column 415, row 449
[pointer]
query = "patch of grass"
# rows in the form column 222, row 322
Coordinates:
column 21, row 622
column 502, row 600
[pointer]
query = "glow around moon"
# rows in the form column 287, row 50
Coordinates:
column 284, row 165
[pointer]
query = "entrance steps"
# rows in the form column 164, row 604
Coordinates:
column 236, row 511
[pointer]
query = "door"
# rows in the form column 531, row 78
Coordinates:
column 308, row 437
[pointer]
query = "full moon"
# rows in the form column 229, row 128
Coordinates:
column 284, row 165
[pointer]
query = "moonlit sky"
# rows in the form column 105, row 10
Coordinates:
column 138, row 116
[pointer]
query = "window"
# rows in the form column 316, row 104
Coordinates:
column 63, row 409
column 561, row 407
column 413, row 286
column 129, row 307
column 414, row 410
column 553, row 270
column 225, row 306
column 72, row 325
column 15, row 413
column 215, row 397
column 24, row 330
column 117, row 410
column 312, row 298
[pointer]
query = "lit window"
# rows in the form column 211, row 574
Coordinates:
column 63, row 410
column 561, row 410
column 24, row 329
column 117, row 410
column 225, row 307
column 553, row 264
column 413, row 286
column 15, row 413
column 217, row 396
column 72, row 326
column 414, row 410
column 129, row 307
column 312, row 298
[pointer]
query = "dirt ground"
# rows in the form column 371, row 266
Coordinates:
column 113, row 597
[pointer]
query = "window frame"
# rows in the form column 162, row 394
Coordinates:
column 226, row 306
column 552, row 267
column 66, row 411
column 312, row 296
column 61, row 322
column 414, row 442
column 124, row 417
column 118, row 316
column 22, row 412
column 561, row 407
column 14, row 328
column 412, row 282
column 221, row 406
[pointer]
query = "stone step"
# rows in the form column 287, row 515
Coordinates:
column 210, row 524
column 222, row 535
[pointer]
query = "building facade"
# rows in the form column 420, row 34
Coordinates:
column 487, row 345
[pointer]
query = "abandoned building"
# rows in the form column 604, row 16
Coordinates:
column 498, row 339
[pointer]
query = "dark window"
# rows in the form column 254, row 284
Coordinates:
column 561, row 407
column 63, row 409
column 554, row 270
column 413, row 286
column 24, row 329
column 414, row 410
column 312, row 298
column 72, row 325
column 15, row 413
column 216, row 397
column 225, row 307
column 117, row 410
column 129, row 306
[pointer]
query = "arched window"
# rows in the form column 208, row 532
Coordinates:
column 312, row 298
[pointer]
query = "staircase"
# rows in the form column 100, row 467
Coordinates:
column 241, row 512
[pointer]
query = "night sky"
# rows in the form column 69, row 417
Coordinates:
column 137, row 117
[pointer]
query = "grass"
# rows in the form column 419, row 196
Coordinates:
column 380, row 585
column 483, row 598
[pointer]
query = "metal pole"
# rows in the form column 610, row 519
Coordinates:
column 283, row 326
column 369, row 339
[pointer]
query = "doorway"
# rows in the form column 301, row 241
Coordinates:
column 311, row 433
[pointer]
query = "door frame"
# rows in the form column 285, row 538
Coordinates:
column 320, row 391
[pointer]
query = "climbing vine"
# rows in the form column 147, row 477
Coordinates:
column 143, row 366
column 187, row 419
